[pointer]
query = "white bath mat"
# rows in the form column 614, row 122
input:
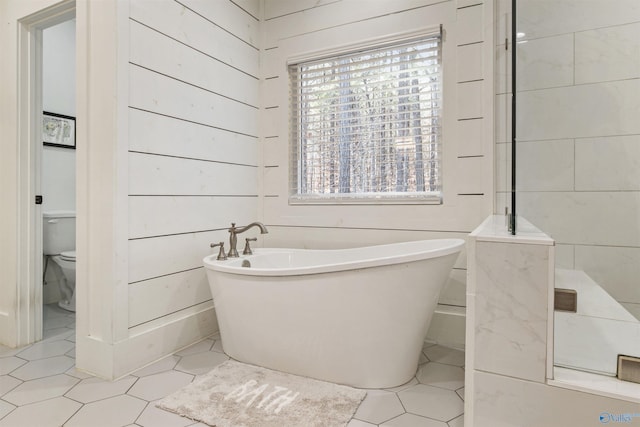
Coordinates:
column 235, row 394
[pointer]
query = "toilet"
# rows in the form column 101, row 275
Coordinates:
column 58, row 244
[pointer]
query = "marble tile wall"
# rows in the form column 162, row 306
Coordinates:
column 608, row 54
column 507, row 312
column 545, row 62
column 617, row 267
column 578, row 158
column 608, row 163
column 509, row 380
column 511, row 309
column 544, row 18
column 511, row 402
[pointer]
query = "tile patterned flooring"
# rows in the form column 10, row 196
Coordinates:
column 40, row 387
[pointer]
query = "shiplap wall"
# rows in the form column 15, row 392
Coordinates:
column 193, row 146
column 294, row 28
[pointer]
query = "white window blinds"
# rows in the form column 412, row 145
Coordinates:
column 367, row 125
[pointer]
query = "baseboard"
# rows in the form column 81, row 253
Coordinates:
column 94, row 357
column 448, row 326
column 5, row 338
column 111, row 361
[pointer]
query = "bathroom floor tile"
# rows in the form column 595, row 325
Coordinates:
column 448, row 356
column 155, row 417
column 7, row 384
column 92, row 389
column 40, row 389
column 217, row 346
column 115, row 411
column 457, row 422
column 199, row 347
column 379, row 406
column 8, row 364
column 46, row 349
column 432, row 402
column 157, row 386
column 8, row 351
column 48, row 413
column 411, row 420
column 358, row 423
column 43, row 368
column 440, row 375
column 413, row 382
column 5, row 408
column 200, row 363
column 78, row 374
column 59, row 322
column 49, row 391
column 57, row 334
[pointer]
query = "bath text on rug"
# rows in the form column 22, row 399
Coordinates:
column 273, row 401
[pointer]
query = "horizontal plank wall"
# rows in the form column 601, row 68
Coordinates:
column 294, row 28
column 193, row 155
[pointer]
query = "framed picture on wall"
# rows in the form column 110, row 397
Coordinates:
column 58, row 130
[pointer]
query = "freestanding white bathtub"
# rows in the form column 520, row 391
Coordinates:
column 349, row 316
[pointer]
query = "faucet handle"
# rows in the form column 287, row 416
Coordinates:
column 247, row 248
column 221, row 255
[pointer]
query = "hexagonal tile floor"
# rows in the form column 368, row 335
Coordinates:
column 39, row 386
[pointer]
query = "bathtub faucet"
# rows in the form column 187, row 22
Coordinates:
column 233, row 238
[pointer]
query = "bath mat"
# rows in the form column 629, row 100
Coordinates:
column 235, row 394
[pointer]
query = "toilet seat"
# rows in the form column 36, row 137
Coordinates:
column 68, row 256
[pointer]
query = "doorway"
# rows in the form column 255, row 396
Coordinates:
column 29, row 318
column 57, row 176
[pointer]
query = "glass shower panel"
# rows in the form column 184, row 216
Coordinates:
column 578, row 166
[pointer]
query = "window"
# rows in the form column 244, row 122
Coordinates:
column 366, row 126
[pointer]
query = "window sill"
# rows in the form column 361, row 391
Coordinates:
column 369, row 200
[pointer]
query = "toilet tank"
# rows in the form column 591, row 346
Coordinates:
column 58, row 232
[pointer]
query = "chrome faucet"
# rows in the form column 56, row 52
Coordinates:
column 233, row 238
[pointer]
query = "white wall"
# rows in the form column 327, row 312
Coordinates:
column 302, row 27
column 579, row 136
column 59, row 96
column 59, row 71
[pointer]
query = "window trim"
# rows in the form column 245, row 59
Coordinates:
column 365, row 199
column 371, row 43
column 362, row 198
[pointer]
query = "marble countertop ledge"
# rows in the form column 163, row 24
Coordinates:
column 494, row 229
